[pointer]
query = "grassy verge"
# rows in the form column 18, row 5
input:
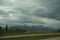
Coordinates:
column 31, row 37
column 4, row 32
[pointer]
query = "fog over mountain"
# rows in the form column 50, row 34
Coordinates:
column 30, row 12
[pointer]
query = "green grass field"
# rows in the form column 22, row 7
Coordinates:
column 31, row 37
column 20, row 32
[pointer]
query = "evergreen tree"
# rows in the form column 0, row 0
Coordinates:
column 0, row 31
column 0, row 28
column 6, row 27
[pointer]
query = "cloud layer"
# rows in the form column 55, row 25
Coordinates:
column 29, row 11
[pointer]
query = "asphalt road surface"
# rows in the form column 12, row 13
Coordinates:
column 28, row 35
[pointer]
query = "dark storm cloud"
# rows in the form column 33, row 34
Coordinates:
column 4, row 14
column 53, row 7
column 29, row 11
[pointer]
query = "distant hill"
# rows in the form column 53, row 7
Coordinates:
column 36, row 27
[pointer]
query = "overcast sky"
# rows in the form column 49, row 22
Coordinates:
column 46, row 12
